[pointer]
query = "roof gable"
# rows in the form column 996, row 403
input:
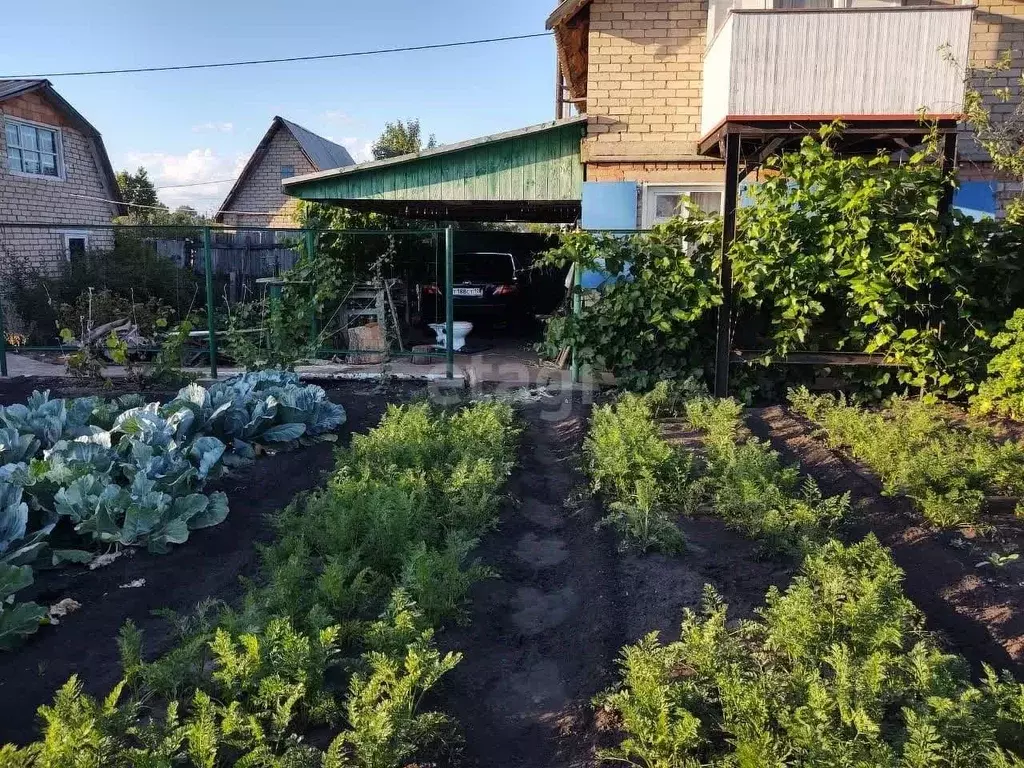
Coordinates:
column 323, row 155
column 10, row 89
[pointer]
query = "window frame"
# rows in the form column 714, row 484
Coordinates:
column 58, row 139
column 74, row 234
column 287, row 175
column 650, row 191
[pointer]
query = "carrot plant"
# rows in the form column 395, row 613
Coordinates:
column 636, row 471
column 747, row 484
column 339, row 632
column 835, row 671
column 944, row 466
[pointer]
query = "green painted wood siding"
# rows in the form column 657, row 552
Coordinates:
column 539, row 166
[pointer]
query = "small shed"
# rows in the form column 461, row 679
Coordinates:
column 532, row 174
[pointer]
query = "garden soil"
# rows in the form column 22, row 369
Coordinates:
column 543, row 637
column 979, row 611
column 211, row 564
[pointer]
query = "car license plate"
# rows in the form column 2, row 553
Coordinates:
column 467, row 291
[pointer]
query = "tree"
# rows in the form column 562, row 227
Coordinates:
column 400, row 138
column 137, row 189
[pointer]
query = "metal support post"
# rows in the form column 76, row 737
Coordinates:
column 577, row 306
column 211, row 326
column 314, row 330
column 449, row 304
column 732, row 169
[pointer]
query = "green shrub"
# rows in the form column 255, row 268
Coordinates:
column 836, row 671
column 1002, row 393
column 917, row 449
column 636, row 471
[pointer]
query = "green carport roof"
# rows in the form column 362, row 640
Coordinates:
column 532, row 174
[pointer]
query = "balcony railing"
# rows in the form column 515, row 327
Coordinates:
column 882, row 62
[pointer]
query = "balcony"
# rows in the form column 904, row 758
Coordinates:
column 879, row 62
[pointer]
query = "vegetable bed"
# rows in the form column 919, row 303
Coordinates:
column 839, row 668
column 207, row 566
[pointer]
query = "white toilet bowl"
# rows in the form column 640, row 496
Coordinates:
column 460, row 330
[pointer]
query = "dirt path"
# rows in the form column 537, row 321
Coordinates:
column 543, row 638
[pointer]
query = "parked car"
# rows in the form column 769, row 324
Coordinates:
column 486, row 286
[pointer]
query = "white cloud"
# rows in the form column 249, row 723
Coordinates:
column 193, row 168
column 360, row 149
column 213, row 128
column 337, row 116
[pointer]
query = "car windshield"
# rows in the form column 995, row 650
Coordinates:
column 484, row 268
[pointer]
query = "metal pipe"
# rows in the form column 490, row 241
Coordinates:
column 192, row 228
column 210, row 324
column 577, row 307
column 449, row 303
column 3, row 340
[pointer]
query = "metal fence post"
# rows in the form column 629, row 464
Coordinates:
column 577, row 306
column 449, row 304
column 210, row 324
column 314, row 331
column 3, row 340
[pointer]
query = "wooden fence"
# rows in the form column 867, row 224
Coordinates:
column 238, row 259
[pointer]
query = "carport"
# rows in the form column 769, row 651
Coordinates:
column 533, row 174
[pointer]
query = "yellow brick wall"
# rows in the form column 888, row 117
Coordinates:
column 644, row 88
column 998, row 27
column 261, row 193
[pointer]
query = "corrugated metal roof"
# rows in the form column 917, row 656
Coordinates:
column 530, row 174
column 323, row 154
column 444, row 149
column 9, row 88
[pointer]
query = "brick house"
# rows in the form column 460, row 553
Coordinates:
column 657, row 77
column 54, row 170
column 287, row 149
column 658, row 87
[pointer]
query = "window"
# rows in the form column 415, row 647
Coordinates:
column 287, row 171
column 75, row 245
column 33, row 149
column 662, row 201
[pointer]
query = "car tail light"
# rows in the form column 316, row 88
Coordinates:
column 505, row 290
column 431, row 290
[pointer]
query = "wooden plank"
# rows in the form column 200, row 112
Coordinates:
column 864, row 359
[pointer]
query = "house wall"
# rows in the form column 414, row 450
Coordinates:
column 644, row 99
column 998, row 28
column 644, row 79
column 645, row 82
column 261, row 189
column 63, row 202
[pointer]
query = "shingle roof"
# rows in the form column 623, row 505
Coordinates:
column 323, row 154
column 12, row 88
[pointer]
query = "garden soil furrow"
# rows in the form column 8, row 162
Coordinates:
column 980, row 614
column 210, row 565
column 543, row 638
column 542, row 635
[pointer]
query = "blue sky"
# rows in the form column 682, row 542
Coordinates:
column 201, row 125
